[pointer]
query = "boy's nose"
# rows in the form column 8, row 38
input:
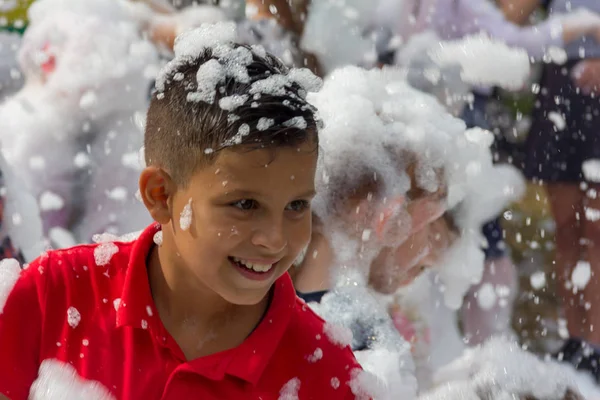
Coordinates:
column 270, row 236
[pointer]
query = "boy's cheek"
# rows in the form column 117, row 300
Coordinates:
column 299, row 235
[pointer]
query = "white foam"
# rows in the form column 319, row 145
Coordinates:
column 57, row 381
column 289, row 391
column 104, row 252
column 73, row 317
column 538, row 280
column 503, row 368
column 557, row 119
column 185, row 219
column 485, row 61
column 581, row 274
column 10, row 270
column 591, row 170
column 158, row 238
column 50, row 201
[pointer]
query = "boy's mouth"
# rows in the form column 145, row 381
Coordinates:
column 256, row 267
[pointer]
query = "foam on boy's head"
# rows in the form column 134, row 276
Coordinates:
column 216, row 94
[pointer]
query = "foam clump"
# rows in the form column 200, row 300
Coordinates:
column 57, row 380
column 10, row 270
column 230, row 62
column 502, row 369
column 374, row 123
column 382, row 352
column 485, row 61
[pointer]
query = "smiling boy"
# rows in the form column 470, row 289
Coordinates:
column 200, row 305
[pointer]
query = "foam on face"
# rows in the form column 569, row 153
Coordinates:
column 185, row 219
column 372, row 118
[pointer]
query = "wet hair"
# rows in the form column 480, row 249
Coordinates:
column 184, row 133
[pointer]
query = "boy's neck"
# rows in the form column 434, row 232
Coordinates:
column 200, row 321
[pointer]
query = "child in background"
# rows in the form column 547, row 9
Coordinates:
column 200, row 305
column 366, row 209
column 78, row 117
column 11, row 78
column 378, row 189
column 394, row 162
column 256, row 24
column 377, row 194
column 20, row 224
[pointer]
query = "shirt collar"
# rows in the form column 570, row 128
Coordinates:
column 249, row 360
column 252, row 357
column 136, row 307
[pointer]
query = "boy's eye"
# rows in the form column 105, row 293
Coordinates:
column 298, row 205
column 245, row 204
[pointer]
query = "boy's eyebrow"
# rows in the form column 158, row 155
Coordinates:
column 311, row 193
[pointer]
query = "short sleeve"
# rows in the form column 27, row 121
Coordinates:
column 20, row 331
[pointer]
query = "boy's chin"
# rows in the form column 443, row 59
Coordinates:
column 246, row 288
column 250, row 298
column 243, row 293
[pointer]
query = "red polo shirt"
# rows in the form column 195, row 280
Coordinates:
column 91, row 307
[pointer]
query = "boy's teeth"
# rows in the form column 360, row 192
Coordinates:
column 255, row 267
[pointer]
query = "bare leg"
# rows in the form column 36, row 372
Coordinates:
column 591, row 293
column 566, row 201
column 487, row 309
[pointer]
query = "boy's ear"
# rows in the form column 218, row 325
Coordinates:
column 156, row 189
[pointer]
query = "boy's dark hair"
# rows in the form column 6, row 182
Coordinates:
column 264, row 109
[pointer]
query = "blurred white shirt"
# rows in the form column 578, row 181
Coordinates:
column 454, row 19
column 586, row 47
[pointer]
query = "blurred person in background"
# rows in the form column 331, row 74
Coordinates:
column 563, row 149
column 13, row 21
column 13, row 15
column 455, row 19
column 71, row 131
column 274, row 24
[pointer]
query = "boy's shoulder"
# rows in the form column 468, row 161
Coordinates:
column 109, row 252
column 84, row 274
column 107, row 259
column 68, row 296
